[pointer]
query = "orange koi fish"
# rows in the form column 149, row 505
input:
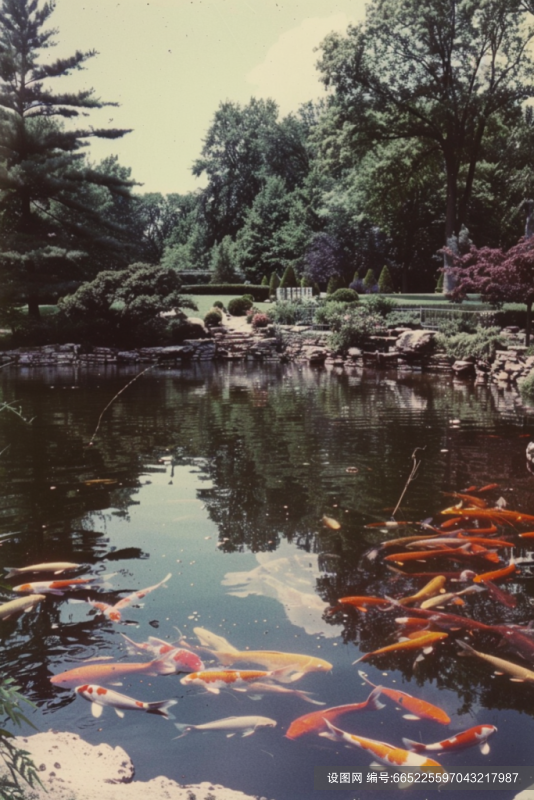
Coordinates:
column 361, row 602
column 99, row 697
column 429, row 590
column 53, row 587
column 382, row 751
column 217, row 679
column 108, row 672
column 478, row 735
column 496, row 574
column 425, row 640
column 316, row 721
column 416, row 708
column 500, row 515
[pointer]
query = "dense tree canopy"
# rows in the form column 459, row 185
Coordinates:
column 47, row 213
column 434, row 73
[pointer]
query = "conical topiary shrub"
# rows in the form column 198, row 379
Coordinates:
column 385, row 284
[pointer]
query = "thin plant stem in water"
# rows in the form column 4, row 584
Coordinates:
column 416, row 463
column 113, row 400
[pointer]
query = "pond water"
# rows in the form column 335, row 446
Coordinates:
column 221, row 476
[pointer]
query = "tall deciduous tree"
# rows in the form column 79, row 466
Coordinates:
column 434, row 72
column 47, row 215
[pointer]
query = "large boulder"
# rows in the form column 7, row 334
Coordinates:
column 72, row 769
column 415, row 343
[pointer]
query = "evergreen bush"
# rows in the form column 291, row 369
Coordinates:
column 385, row 283
column 239, row 306
column 369, row 282
column 344, row 296
column 289, row 279
column 274, row 283
column 213, row 317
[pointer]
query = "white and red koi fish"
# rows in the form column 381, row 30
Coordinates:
column 53, row 587
column 478, row 735
column 113, row 613
column 217, row 679
column 382, row 751
column 185, row 660
column 109, row 672
column 246, row 725
column 99, row 697
column 416, row 708
column 56, row 567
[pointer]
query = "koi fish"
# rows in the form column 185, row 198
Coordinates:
column 425, row 640
column 260, row 689
column 53, row 587
column 330, row 522
column 361, row 602
column 496, row 574
column 448, row 597
column 429, row 590
column 20, row 604
column 57, row 567
column 246, row 725
column 499, row 515
column 113, row 613
column 99, row 697
column 382, row 751
column 478, row 735
column 518, row 674
column 215, row 680
column 316, row 721
column 416, row 708
column 108, row 672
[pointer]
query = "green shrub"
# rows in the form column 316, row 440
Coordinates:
column 333, row 284
column 380, row 305
column 481, row 344
column 274, row 283
column 385, row 283
column 239, row 306
column 291, row 312
column 344, row 296
column 353, row 327
column 260, row 293
column 526, row 386
column 289, row 279
column 369, row 282
column 213, row 317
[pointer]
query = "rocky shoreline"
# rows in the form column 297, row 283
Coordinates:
column 402, row 349
column 71, row 769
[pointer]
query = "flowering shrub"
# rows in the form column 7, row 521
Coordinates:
column 260, row 320
column 353, row 326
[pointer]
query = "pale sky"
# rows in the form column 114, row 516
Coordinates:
column 169, row 63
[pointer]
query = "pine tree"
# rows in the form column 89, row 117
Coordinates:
column 49, row 196
column 385, row 284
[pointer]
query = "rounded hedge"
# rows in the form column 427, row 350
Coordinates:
column 239, row 306
column 344, row 296
column 213, row 317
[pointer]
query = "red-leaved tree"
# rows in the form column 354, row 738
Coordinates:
column 498, row 276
